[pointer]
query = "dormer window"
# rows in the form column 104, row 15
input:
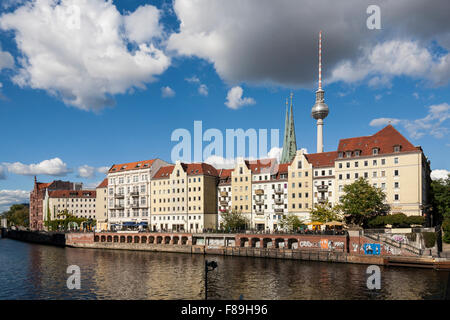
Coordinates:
column 357, row 153
column 348, row 154
column 397, row 148
column 375, row 151
column 341, row 154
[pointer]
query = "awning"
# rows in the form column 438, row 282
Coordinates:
column 129, row 224
column 334, row 223
column 315, row 223
column 143, row 223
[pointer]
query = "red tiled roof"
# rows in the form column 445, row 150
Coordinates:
column 163, row 172
column 283, row 167
column 72, row 194
column 385, row 140
column 323, row 159
column 256, row 165
column 225, row 173
column 104, row 183
column 131, row 166
column 42, row 185
column 200, row 168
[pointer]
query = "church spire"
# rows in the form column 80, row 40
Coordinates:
column 289, row 143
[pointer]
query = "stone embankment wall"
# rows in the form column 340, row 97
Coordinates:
column 56, row 239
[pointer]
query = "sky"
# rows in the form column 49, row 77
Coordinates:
column 85, row 84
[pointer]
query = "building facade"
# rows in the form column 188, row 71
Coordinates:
column 37, row 199
column 79, row 203
column 102, row 205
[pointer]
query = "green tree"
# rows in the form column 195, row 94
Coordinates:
column 322, row 212
column 291, row 223
column 18, row 215
column 362, row 202
column 234, row 220
column 440, row 198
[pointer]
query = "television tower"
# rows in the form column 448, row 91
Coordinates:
column 320, row 110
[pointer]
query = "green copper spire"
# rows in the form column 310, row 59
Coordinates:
column 289, row 141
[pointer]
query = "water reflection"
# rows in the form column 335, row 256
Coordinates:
column 29, row 271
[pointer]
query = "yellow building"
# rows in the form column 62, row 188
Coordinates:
column 80, row 203
column 101, row 203
column 184, row 197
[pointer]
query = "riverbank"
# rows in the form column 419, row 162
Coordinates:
column 349, row 248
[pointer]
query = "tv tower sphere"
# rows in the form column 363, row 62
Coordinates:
column 320, row 109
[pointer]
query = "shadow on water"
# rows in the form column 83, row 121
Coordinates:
column 29, row 271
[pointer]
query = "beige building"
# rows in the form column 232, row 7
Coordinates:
column 184, row 197
column 101, row 203
column 390, row 162
column 80, row 203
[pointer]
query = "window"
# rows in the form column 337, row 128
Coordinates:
column 396, row 160
column 357, row 153
column 356, row 176
column 375, row 151
column 397, row 148
column 383, row 161
column 356, row 164
column 366, row 163
column 396, row 173
column 348, row 154
column 374, row 174
column 341, row 154
column 299, row 165
column 396, row 185
column 374, row 162
column 348, row 176
column 348, row 164
column 396, row 197
column 340, row 165
column 340, row 177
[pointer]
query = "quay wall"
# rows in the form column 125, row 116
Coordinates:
column 55, row 239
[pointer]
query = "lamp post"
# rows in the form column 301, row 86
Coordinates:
column 208, row 265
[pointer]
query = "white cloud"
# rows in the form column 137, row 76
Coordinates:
column 86, row 172
column 203, row 90
column 6, row 60
column 143, row 25
column 167, row 92
column 394, row 58
column 275, row 153
column 10, row 197
column 52, row 167
column 235, row 100
column 219, row 162
column 103, row 170
column 432, row 123
column 82, row 55
column 266, row 41
column 439, row 174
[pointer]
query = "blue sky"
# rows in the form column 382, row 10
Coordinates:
column 399, row 73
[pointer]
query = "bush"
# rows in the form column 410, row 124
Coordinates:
column 430, row 239
column 446, row 229
column 396, row 220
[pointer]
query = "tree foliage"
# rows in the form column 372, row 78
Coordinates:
column 322, row 212
column 17, row 215
column 397, row 220
column 440, row 198
column 362, row 202
column 291, row 223
column 234, row 220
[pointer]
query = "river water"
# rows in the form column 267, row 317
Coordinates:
column 31, row 271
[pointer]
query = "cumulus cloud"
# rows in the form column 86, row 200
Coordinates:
column 103, row 170
column 439, row 174
column 86, row 172
column 266, row 41
column 235, row 100
column 10, row 197
column 6, row 60
column 432, row 123
column 219, row 162
column 203, row 90
column 52, row 167
column 167, row 92
column 84, row 52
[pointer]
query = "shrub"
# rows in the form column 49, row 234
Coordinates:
column 430, row 239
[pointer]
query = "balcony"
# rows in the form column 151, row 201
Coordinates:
column 259, row 192
column 224, row 203
column 279, row 201
column 119, row 206
column 224, row 194
column 134, row 194
column 259, row 211
column 322, row 188
column 135, row 205
column 259, row 202
column 119, row 195
column 279, row 210
column 279, row 190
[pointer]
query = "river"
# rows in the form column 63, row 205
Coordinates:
column 31, row 271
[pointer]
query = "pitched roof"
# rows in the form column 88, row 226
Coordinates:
column 385, row 140
column 131, row 166
column 72, row 194
column 322, row 159
column 258, row 166
column 164, row 172
column 103, row 184
column 200, row 169
column 225, row 173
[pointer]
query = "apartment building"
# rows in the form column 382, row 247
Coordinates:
column 37, row 199
column 390, row 162
column 323, row 177
column 80, row 203
column 101, row 203
column 184, row 197
column 129, row 192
